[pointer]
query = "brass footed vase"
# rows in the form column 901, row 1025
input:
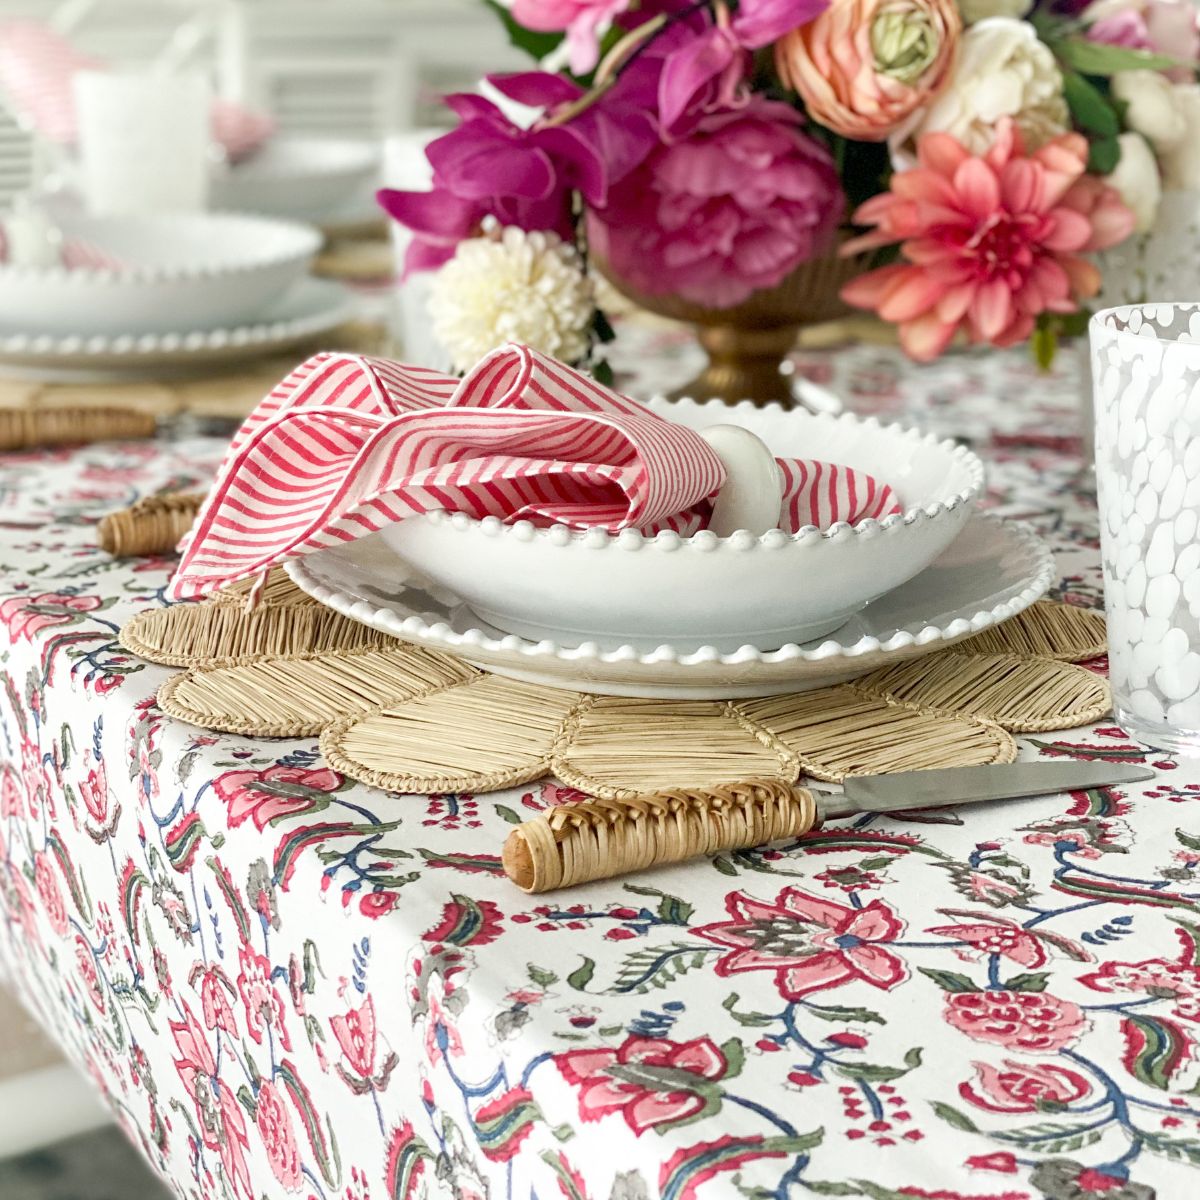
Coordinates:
column 748, row 344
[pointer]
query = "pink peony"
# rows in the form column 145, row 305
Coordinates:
column 729, row 210
column 991, row 240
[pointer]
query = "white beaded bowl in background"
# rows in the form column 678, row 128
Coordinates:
column 305, row 179
column 169, row 274
column 767, row 591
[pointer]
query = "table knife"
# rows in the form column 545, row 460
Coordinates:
column 598, row 839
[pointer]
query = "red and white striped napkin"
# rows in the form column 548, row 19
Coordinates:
column 346, row 445
column 38, row 65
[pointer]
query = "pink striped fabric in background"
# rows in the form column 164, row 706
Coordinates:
column 346, row 445
column 38, row 65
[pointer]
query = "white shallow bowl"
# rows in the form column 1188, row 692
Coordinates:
column 993, row 571
column 571, row 586
column 311, row 308
column 173, row 273
column 309, row 179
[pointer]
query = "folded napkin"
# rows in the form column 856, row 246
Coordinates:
column 37, row 66
column 346, row 445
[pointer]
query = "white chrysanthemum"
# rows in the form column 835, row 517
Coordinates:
column 512, row 286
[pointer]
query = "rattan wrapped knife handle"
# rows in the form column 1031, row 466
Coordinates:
column 597, row 839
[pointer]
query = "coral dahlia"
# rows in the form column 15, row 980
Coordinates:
column 991, row 240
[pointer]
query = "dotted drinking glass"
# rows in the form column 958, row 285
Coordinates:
column 1146, row 378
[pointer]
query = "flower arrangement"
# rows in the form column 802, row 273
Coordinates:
column 708, row 149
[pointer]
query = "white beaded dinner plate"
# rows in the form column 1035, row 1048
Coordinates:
column 311, row 308
column 994, row 570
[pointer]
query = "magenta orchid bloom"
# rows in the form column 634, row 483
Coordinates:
column 490, row 166
column 711, row 67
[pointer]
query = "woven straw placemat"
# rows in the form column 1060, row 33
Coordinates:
column 412, row 720
column 36, row 414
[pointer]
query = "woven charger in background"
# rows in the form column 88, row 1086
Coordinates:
column 34, row 413
column 413, row 720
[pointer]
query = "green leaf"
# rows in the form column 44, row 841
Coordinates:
column 1190, row 840
column 877, row 863
column 508, row 814
column 752, row 1019
column 602, row 372
column 840, row 1012
column 535, row 44
column 602, row 328
column 1103, row 156
column 952, row 1116
column 1089, row 107
column 1028, row 981
column 831, row 1187
column 540, row 975
column 1096, row 58
column 950, row 981
column 876, row 1073
column 247, row 1101
column 671, row 909
column 735, row 1056
column 724, row 865
column 1044, row 345
column 582, row 975
column 1049, row 1137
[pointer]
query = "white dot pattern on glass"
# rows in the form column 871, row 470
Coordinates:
column 1146, row 376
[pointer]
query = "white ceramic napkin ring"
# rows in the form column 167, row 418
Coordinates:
column 752, row 494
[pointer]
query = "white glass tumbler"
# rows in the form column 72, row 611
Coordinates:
column 144, row 141
column 1146, row 376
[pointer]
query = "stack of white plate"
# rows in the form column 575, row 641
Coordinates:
column 706, row 616
column 175, row 291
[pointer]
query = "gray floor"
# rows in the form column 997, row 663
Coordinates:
column 95, row 1166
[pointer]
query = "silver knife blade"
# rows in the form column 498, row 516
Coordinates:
column 966, row 785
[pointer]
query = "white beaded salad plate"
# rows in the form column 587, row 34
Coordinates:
column 159, row 274
column 311, row 308
column 992, row 571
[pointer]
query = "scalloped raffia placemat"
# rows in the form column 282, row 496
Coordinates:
column 413, row 720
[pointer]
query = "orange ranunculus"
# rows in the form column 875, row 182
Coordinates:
column 863, row 67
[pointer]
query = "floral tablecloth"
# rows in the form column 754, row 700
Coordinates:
column 285, row 983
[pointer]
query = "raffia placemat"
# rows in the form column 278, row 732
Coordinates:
column 413, row 720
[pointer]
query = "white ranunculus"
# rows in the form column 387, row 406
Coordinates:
column 512, row 286
column 1153, row 108
column 1136, row 179
column 1003, row 70
column 1181, row 164
column 979, row 10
